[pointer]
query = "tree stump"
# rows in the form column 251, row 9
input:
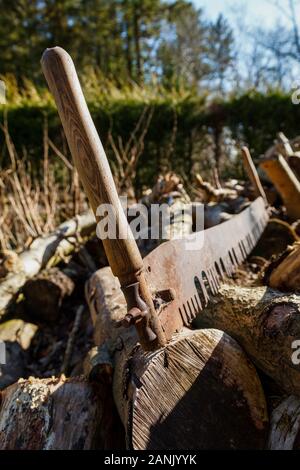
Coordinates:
column 176, row 397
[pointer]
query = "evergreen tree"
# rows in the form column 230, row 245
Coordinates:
column 221, row 51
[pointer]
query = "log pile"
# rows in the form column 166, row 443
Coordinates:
column 76, row 378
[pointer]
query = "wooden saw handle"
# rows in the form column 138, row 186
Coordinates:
column 95, row 174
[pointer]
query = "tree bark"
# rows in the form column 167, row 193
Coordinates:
column 176, row 397
column 56, row 413
column 265, row 322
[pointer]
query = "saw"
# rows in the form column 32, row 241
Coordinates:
column 170, row 286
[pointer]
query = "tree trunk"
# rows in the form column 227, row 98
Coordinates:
column 137, row 41
column 265, row 322
column 176, row 397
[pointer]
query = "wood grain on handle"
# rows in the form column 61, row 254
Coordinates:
column 90, row 159
column 253, row 175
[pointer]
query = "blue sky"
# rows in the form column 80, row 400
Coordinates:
column 254, row 12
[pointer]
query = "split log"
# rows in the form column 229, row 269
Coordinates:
column 284, row 272
column 286, row 183
column 285, row 425
column 44, row 251
column 176, row 397
column 45, row 293
column 265, row 322
column 56, row 413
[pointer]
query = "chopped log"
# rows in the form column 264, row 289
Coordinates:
column 45, row 293
column 275, row 239
column 285, row 425
column 284, row 272
column 265, row 322
column 176, row 397
column 44, row 252
column 286, row 183
column 56, row 413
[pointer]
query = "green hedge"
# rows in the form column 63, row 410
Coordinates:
column 253, row 118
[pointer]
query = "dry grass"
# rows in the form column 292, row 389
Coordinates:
column 33, row 203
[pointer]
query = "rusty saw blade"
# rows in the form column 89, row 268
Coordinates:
column 183, row 274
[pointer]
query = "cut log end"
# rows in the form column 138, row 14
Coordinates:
column 179, row 398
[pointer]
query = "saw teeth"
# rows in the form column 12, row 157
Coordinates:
column 208, row 283
column 191, row 313
column 194, row 307
column 197, row 303
column 236, row 260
